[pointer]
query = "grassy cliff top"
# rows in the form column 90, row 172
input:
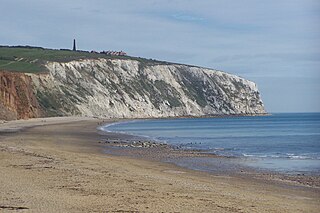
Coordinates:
column 32, row 59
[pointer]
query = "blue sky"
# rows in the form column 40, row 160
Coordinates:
column 275, row 43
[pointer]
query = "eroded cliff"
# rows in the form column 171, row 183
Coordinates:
column 17, row 98
column 128, row 88
column 131, row 89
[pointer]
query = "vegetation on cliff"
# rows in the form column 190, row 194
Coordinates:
column 30, row 59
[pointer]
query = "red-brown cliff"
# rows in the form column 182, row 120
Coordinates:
column 17, row 98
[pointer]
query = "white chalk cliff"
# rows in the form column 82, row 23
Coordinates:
column 133, row 89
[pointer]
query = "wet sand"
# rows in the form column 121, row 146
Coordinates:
column 60, row 165
column 144, row 148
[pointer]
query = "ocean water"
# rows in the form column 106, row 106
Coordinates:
column 286, row 142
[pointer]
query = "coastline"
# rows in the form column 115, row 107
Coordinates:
column 146, row 148
column 60, row 164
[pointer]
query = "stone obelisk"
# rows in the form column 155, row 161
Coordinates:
column 74, row 45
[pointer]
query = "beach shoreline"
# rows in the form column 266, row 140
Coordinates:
column 62, row 163
column 144, row 147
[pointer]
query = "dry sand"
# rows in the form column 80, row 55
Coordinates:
column 57, row 165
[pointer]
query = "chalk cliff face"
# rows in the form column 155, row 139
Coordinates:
column 125, row 88
column 132, row 89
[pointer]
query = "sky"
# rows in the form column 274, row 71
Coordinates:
column 275, row 43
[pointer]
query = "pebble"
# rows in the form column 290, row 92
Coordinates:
column 136, row 144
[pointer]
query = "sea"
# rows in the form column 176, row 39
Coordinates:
column 281, row 142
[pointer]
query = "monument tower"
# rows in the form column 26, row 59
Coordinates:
column 74, row 45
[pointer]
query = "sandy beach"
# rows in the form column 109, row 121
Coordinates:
column 60, row 165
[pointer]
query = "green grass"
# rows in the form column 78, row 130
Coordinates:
column 33, row 53
column 32, row 59
column 20, row 66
